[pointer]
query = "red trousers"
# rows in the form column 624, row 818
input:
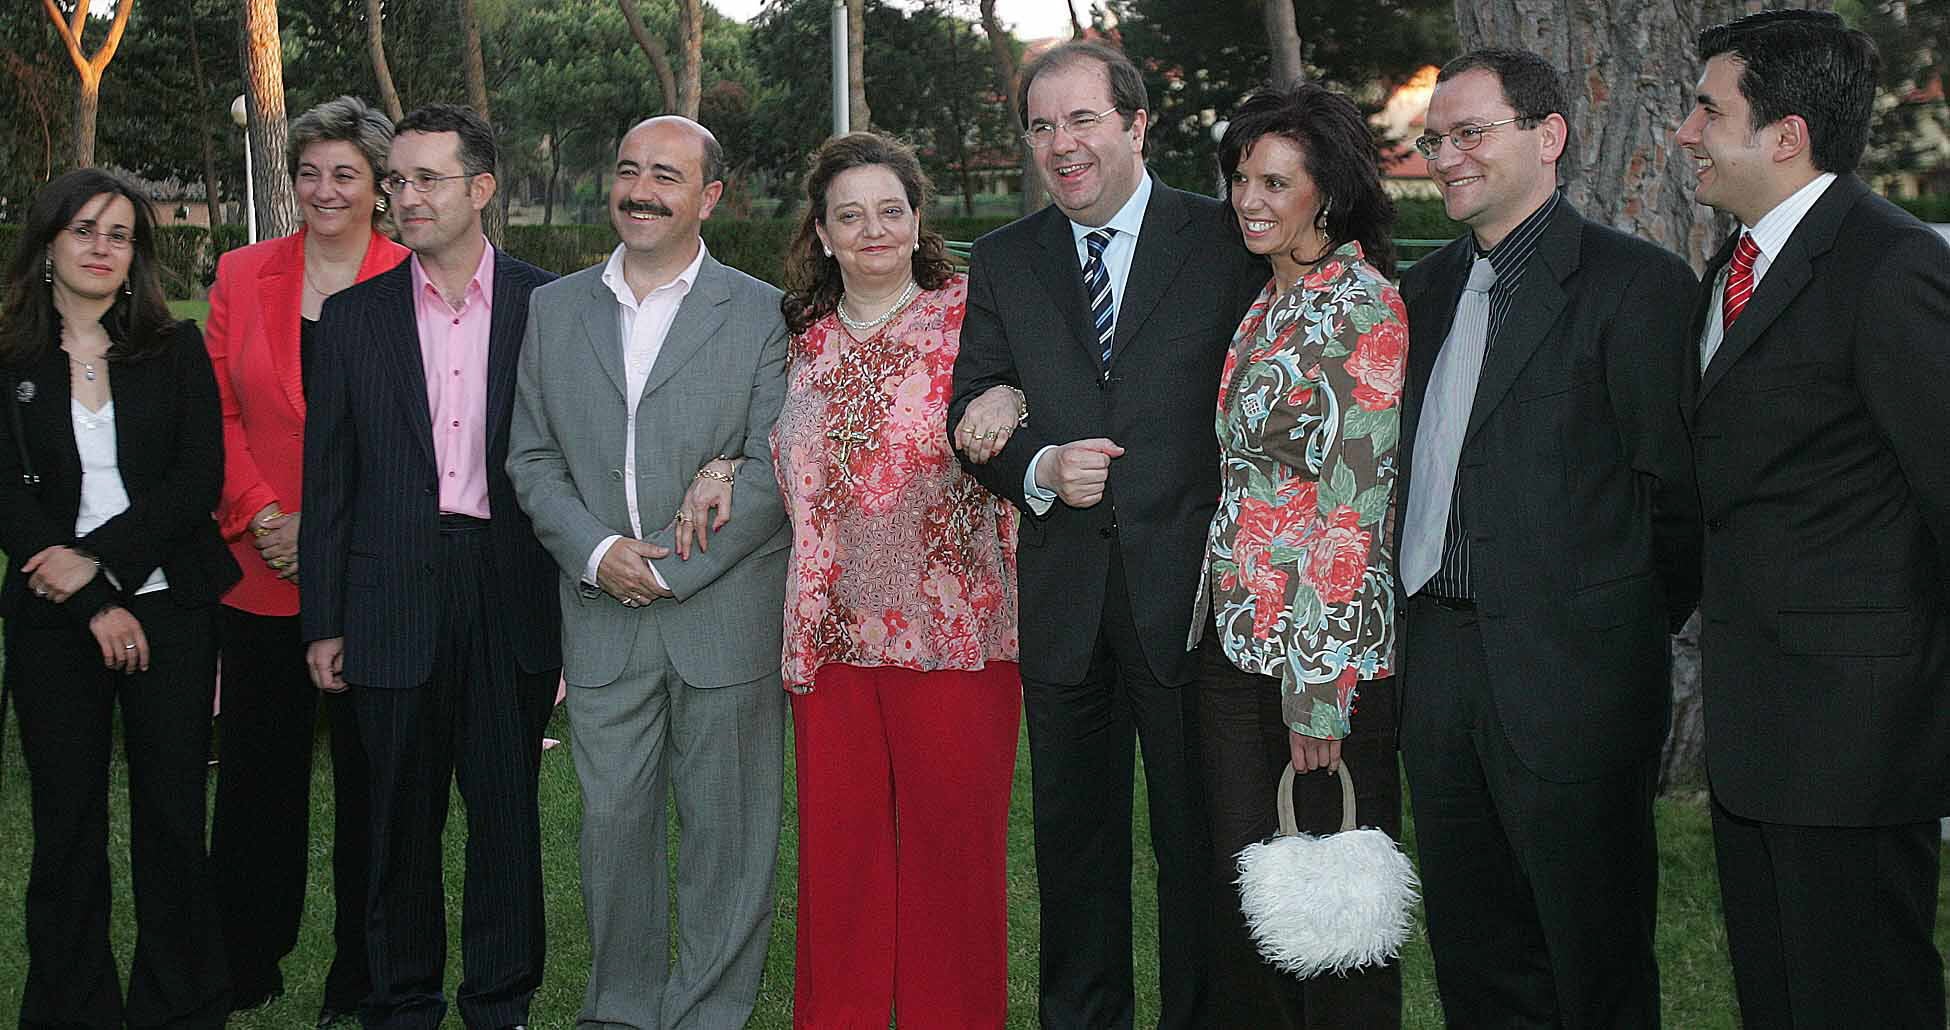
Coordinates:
column 903, row 827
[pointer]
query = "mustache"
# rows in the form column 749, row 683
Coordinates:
column 648, row 207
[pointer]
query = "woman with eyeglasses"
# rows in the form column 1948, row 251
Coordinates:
column 263, row 311
column 111, row 457
column 1295, row 619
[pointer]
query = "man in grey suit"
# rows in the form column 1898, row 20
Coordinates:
column 634, row 375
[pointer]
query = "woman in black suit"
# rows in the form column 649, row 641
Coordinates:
column 111, row 456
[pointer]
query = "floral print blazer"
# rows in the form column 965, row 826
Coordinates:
column 1300, row 559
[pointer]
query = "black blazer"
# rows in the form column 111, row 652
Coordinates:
column 1822, row 430
column 1028, row 325
column 1577, row 489
column 372, row 499
column 169, row 451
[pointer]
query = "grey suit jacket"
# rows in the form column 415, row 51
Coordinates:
column 715, row 389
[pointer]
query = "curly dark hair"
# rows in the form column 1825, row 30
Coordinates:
column 812, row 279
column 1340, row 157
column 138, row 324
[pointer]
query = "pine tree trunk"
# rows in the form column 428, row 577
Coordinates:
column 382, row 72
column 494, row 217
column 88, row 100
column 88, row 68
column 213, row 200
column 654, row 49
column 858, row 115
column 1631, row 72
column 1283, row 40
column 690, row 32
column 277, row 203
column 1005, row 81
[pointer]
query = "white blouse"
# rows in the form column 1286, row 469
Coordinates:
column 102, row 494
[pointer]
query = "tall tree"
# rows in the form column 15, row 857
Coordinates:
column 212, row 196
column 381, row 71
column 494, row 218
column 277, row 204
column 1631, row 86
column 1282, row 41
column 857, row 114
column 1002, row 49
column 653, row 48
column 88, row 68
column 690, row 36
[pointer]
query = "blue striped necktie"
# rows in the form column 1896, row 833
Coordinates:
column 1096, row 283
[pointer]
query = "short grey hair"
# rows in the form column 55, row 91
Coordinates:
column 346, row 119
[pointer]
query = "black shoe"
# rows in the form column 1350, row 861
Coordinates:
column 330, row 1015
column 256, row 995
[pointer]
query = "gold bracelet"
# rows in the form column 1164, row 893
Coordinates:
column 708, row 472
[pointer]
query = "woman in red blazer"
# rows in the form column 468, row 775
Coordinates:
column 262, row 309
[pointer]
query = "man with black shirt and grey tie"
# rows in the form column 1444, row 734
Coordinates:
column 1549, row 543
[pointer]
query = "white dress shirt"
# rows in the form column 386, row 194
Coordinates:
column 1770, row 235
column 103, row 495
column 1118, row 254
column 642, row 326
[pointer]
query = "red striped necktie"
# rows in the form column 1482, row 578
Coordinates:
column 1740, row 281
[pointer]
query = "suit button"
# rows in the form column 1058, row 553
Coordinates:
column 616, row 474
column 1716, row 525
column 427, row 490
column 428, row 567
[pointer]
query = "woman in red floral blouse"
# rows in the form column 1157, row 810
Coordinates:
column 1297, row 612
column 900, row 617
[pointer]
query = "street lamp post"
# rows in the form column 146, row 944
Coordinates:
column 841, row 94
column 240, row 113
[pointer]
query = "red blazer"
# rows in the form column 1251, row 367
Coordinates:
column 253, row 340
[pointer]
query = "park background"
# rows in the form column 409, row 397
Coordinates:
column 146, row 87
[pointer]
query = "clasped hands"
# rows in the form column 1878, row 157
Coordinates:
column 274, row 533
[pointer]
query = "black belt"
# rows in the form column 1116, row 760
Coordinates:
column 1453, row 604
column 453, row 523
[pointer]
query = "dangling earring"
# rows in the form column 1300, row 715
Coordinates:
column 827, row 249
column 128, row 290
column 379, row 204
column 47, row 270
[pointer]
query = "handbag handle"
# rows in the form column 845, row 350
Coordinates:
column 1289, row 826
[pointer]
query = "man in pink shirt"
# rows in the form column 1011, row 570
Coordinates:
column 426, row 592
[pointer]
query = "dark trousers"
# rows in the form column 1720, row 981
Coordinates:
column 263, row 815
column 1080, row 753
column 478, row 722
column 1831, row 926
column 67, row 702
column 1541, row 896
column 1243, row 738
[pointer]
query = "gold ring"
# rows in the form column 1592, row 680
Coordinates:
column 128, row 647
column 279, row 563
column 682, row 517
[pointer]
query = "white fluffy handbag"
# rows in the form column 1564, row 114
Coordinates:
column 1328, row 904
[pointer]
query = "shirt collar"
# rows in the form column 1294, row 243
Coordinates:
column 482, row 284
column 1516, row 246
column 1128, row 219
column 614, row 279
column 1772, row 231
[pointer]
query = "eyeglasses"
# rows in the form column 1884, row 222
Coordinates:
column 1042, row 134
column 394, row 185
column 86, row 234
column 1465, row 137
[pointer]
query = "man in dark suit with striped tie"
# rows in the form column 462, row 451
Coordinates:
column 425, row 590
column 1549, row 543
column 1821, row 347
column 1111, row 310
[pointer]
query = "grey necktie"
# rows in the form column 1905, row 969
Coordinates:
column 1439, row 430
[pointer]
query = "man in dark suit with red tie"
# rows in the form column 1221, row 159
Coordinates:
column 1819, row 421
column 426, row 592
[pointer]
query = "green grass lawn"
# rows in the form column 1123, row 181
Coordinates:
column 1697, row 986
column 196, row 309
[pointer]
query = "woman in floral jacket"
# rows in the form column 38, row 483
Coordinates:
column 1300, row 575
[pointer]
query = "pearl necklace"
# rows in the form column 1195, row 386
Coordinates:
column 869, row 325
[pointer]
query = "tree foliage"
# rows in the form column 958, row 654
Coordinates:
column 1200, row 57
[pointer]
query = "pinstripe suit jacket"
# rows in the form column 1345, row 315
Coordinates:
column 372, row 501
column 715, row 389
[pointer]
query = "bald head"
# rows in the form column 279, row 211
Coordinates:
column 710, row 154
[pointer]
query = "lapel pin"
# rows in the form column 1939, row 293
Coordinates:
column 24, row 391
